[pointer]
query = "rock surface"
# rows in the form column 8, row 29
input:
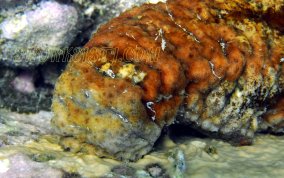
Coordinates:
column 31, row 37
column 17, row 129
column 19, row 91
column 12, row 3
column 21, row 166
column 181, row 157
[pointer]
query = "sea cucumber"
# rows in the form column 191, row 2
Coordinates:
column 214, row 65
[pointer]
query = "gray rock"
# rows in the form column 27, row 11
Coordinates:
column 30, row 37
column 124, row 170
column 19, row 128
column 19, row 93
column 12, row 3
column 21, row 166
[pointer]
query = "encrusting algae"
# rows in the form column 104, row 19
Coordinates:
column 214, row 65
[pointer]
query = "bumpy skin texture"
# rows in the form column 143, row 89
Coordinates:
column 211, row 64
column 101, row 111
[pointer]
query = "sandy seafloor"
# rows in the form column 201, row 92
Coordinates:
column 31, row 135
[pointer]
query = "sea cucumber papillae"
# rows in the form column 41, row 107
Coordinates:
column 215, row 65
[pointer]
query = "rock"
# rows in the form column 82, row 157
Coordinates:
column 18, row 129
column 19, row 91
column 178, row 158
column 50, row 72
column 12, row 3
column 35, row 34
column 123, row 170
column 20, row 166
column 24, row 83
column 185, row 157
column 177, row 61
column 157, row 171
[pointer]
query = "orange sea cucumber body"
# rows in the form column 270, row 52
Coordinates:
column 196, row 62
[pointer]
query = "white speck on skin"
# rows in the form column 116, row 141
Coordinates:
column 198, row 17
column 87, row 94
column 149, row 106
column 131, row 36
column 179, row 25
column 169, row 13
column 122, row 118
column 156, row 37
column 163, row 42
column 110, row 73
column 223, row 46
column 213, row 71
column 155, row 1
column 282, row 59
column 106, row 68
column 161, row 32
column 119, row 115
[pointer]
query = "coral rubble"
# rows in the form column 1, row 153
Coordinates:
column 214, row 65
